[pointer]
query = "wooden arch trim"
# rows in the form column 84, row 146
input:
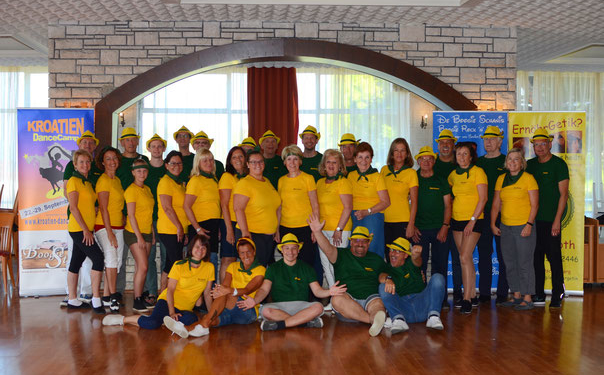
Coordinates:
column 287, row 49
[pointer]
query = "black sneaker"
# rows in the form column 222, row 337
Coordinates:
column 117, row 296
column 474, row 301
column 457, row 302
column 139, row 305
column 84, row 305
column 115, row 305
column 268, row 325
column 99, row 310
column 484, row 299
column 106, row 301
column 555, row 304
column 539, row 300
column 466, row 307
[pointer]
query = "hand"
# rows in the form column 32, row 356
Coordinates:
column 496, row 231
column 416, row 250
column 247, row 303
column 526, row 231
column 203, row 231
column 314, row 223
column 175, row 316
column 469, row 228
column 220, row 290
column 556, row 228
column 230, row 237
column 442, row 234
column 336, row 290
column 389, row 287
column 88, row 239
column 313, row 238
column 417, row 235
column 361, row 214
column 277, row 237
column 410, row 232
column 246, row 234
column 112, row 238
column 140, row 242
column 180, row 234
column 337, row 238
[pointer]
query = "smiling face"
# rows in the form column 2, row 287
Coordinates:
column 363, row 160
column 332, row 166
column 397, row 258
column 542, row 148
column 359, row 246
column 156, row 148
column 87, row 144
column 290, row 253
column 399, row 154
column 201, row 143
column 463, row 157
column 199, row 251
column 110, row 161
column 255, row 164
column 238, row 160
column 348, row 151
column 492, row 144
column 426, row 163
column 246, row 254
column 129, row 144
column 309, row 141
column 513, row 162
column 445, row 147
column 82, row 165
column 269, row 146
column 206, row 164
column 183, row 139
column 292, row 163
column 140, row 175
column 174, row 165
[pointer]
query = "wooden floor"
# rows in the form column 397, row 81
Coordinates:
column 36, row 336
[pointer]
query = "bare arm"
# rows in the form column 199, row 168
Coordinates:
column 188, row 207
column 534, row 199
column 334, row 290
column 103, row 204
column 482, row 200
column 384, row 201
column 73, row 198
column 327, row 248
column 563, row 188
column 444, row 230
column 416, row 255
column 314, row 202
column 166, row 204
column 207, row 296
column 495, row 208
column 413, row 192
column 250, row 303
column 346, row 200
column 170, row 298
column 131, row 207
column 239, row 204
column 225, row 197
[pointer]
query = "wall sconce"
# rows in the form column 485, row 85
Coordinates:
column 424, row 123
column 122, row 121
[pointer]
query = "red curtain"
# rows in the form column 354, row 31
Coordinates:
column 272, row 102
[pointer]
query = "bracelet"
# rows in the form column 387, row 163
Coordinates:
column 198, row 230
column 531, row 224
column 235, row 292
column 446, row 224
column 369, row 210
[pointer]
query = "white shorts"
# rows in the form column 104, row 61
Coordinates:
column 113, row 256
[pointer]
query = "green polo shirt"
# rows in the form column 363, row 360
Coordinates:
column 443, row 169
column 430, row 203
column 311, row 166
column 187, row 165
column 361, row 275
column 124, row 172
column 351, row 168
column 407, row 278
column 290, row 283
column 155, row 174
column 274, row 170
column 93, row 175
column 493, row 167
column 548, row 175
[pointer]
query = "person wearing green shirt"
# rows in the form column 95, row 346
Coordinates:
column 551, row 173
column 183, row 137
column 310, row 163
column 289, row 283
column 359, row 270
column 273, row 164
column 201, row 140
column 348, row 145
column 443, row 166
column 402, row 288
column 493, row 165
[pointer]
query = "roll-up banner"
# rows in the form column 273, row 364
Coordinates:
column 468, row 126
column 47, row 139
column 568, row 130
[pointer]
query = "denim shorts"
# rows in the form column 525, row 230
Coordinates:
column 363, row 302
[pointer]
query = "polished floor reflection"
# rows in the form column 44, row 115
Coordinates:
column 36, row 336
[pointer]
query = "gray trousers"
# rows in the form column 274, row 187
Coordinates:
column 518, row 253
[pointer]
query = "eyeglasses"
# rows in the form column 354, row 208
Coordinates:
column 256, row 162
column 174, row 163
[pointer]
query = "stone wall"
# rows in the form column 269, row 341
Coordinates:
column 87, row 60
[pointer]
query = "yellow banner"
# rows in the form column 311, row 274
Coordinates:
column 568, row 129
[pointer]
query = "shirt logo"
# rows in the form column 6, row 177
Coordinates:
column 545, row 172
column 368, row 269
column 407, row 276
column 434, row 188
column 297, row 278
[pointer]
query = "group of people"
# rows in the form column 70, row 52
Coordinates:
column 369, row 234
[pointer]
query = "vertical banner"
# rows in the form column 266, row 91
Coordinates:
column 47, row 139
column 568, row 130
column 468, row 126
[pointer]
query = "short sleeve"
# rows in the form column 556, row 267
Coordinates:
column 381, row 183
column 227, row 181
column 211, row 273
column 311, row 185
column 446, row 188
column 345, row 186
column 231, row 268
column 130, row 195
column 175, row 272
column 450, row 179
column 193, row 186
column 71, row 185
column 562, row 172
column 413, row 181
column 68, row 172
column 103, row 185
column 499, row 183
column 270, row 275
column 242, row 188
column 532, row 183
column 481, row 177
column 163, row 188
column 311, row 275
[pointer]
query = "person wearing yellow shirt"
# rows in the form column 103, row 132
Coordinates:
column 257, row 206
column 469, row 186
column 369, row 197
column 172, row 222
column 334, row 192
column 202, row 201
column 298, row 193
column 138, row 234
column 189, row 279
column 109, row 224
column 235, row 170
column 242, row 281
column 517, row 196
column 81, row 197
column 401, row 181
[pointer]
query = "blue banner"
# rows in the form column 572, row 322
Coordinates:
column 468, row 126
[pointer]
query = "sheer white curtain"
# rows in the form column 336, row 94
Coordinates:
column 338, row 101
column 568, row 91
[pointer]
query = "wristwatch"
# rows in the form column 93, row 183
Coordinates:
column 234, row 292
column 369, row 210
column 338, row 229
column 473, row 218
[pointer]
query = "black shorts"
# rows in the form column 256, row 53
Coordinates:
column 130, row 238
column 459, row 226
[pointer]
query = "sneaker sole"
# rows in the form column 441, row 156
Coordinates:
column 378, row 323
column 140, row 311
column 438, row 328
column 171, row 325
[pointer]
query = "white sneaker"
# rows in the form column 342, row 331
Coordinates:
column 328, row 307
column 378, row 323
column 176, row 327
column 113, row 320
column 199, row 331
column 388, row 323
column 434, row 322
column 398, row 326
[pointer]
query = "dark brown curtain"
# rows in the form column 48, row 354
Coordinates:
column 272, row 102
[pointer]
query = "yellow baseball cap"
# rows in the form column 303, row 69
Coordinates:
column 268, row 134
column 541, row 133
column 400, row 244
column 289, row 239
column 446, row 134
column 362, row 233
column 201, row 135
column 87, row 134
column 492, row 132
column 348, row 139
column 183, row 129
column 425, row 151
column 249, row 141
column 310, row 130
column 156, row 137
column 128, row 133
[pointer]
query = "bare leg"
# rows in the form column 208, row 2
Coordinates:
column 140, row 262
column 374, row 307
column 211, row 317
column 72, row 284
column 224, row 263
column 95, row 278
column 303, row 316
column 466, row 248
column 350, row 309
column 106, row 291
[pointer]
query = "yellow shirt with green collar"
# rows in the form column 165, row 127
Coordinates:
column 365, row 191
column 465, row 191
column 167, row 186
column 191, row 283
column 398, row 189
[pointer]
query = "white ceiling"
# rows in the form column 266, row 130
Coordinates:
column 547, row 29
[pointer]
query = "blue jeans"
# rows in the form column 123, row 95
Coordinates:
column 160, row 311
column 237, row 316
column 375, row 224
column 418, row 307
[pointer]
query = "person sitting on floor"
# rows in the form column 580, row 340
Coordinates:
column 359, row 270
column 404, row 292
column 187, row 280
column 289, row 283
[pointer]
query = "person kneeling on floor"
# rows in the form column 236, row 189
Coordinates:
column 187, row 280
column 289, row 283
column 404, row 292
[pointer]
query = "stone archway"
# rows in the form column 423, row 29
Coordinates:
column 289, row 49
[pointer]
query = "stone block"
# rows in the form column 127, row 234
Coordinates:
column 151, row 61
column 400, row 55
column 161, row 24
column 68, row 44
column 504, row 45
column 510, row 60
column 188, row 25
column 200, row 48
column 466, row 88
column 433, row 31
column 412, row 33
column 185, row 50
column 491, row 73
column 449, row 80
column 512, row 85
column 505, row 100
column 251, row 24
column 56, row 31
column 473, row 32
column 221, row 42
column 489, row 95
column 472, row 54
column 422, row 54
column 170, row 34
column 417, row 63
column 472, row 95
column 492, row 63
column 119, row 80
column 75, row 30
column 385, row 36
column 351, row 37
column 282, row 25
column 68, row 78
column 92, row 69
column 306, row 30
column 56, row 92
column 440, row 39
column 452, row 50
column 474, row 47
column 245, row 36
column 429, row 46
column 110, row 57
column 101, row 78
column 100, row 30
column 118, row 70
column 192, row 34
column 284, row 33
column 463, row 40
column 495, row 81
column 497, row 32
column 327, row 26
column 485, row 105
column 472, row 75
column 489, row 87
column 87, row 93
column 141, row 69
column 83, row 62
column 133, row 53
column 451, row 31
column 482, row 40
column 450, row 71
column 402, row 46
column 129, row 61
column 146, row 38
column 328, row 34
column 506, row 73
column 267, row 35
column 115, row 40
column 139, row 25
column 466, row 62
column 79, row 54
column 435, row 71
column 439, row 61
column 61, row 66
column 211, row 29
column 172, row 41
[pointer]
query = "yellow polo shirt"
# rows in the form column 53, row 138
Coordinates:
column 143, row 212
column 191, row 283
column 365, row 193
column 261, row 209
column 465, row 191
column 115, row 206
column 295, row 206
column 168, row 186
column 241, row 279
column 207, row 203
column 330, row 203
column 86, row 199
column 398, row 189
column 228, row 182
column 515, row 202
